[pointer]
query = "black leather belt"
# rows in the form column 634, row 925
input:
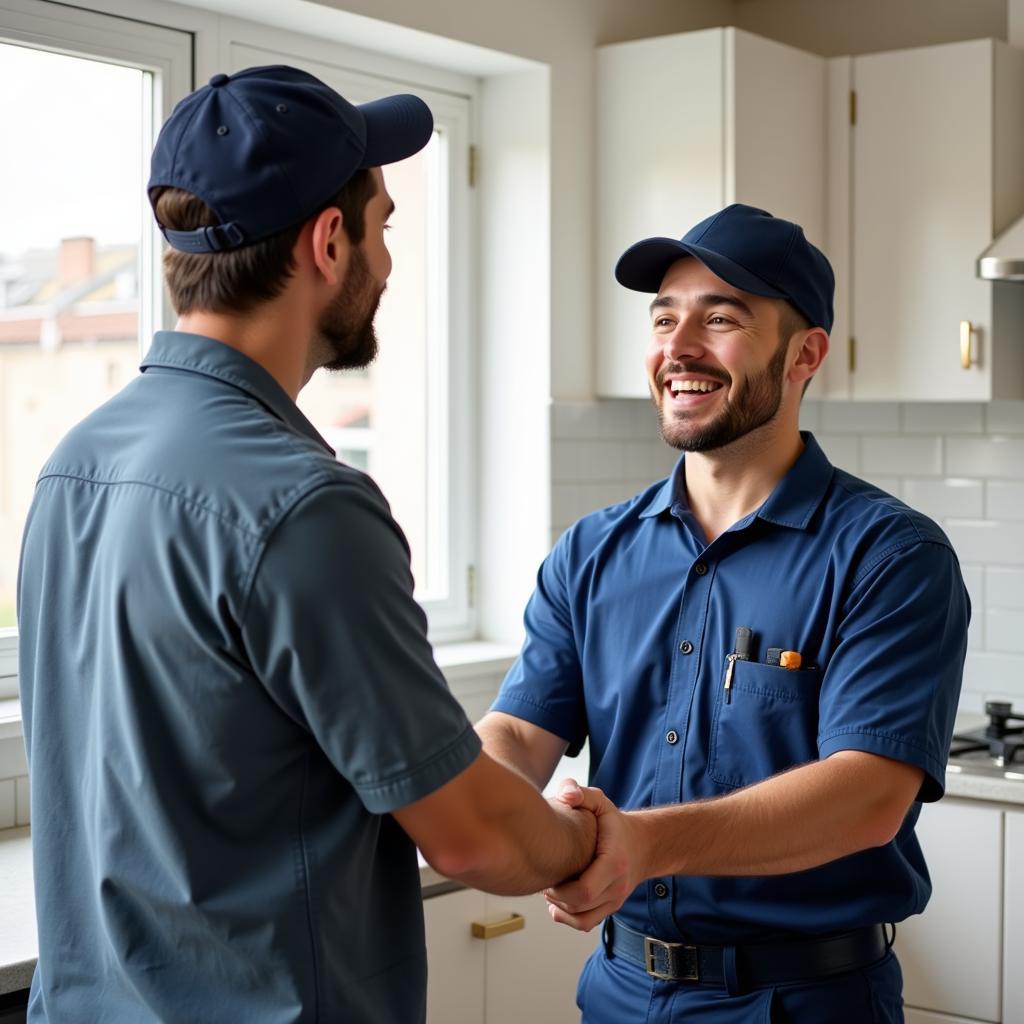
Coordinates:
column 751, row 965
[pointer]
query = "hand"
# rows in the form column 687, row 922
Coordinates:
column 616, row 869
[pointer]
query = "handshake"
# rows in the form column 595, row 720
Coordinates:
column 615, row 867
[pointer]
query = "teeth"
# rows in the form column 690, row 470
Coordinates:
column 694, row 385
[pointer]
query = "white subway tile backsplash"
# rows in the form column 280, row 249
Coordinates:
column 1004, row 630
column 890, row 484
column 810, row 415
column 1004, row 499
column 943, row 418
column 8, row 812
column 991, row 675
column 21, row 801
column 982, row 540
column 860, row 417
column 574, row 420
column 964, row 499
column 586, row 461
column 990, row 456
column 1004, row 418
column 620, row 420
column 1004, row 588
column 901, row 455
column 842, row 451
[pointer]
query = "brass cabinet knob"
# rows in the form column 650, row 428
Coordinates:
column 512, row 923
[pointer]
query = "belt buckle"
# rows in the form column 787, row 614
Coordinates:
column 691, row 970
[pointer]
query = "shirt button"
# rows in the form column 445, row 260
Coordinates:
column 661, row 890
column 700, row 568
column 671, row 736
column 686, row 647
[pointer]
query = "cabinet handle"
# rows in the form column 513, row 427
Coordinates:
column 965, row 343
column 512, row 923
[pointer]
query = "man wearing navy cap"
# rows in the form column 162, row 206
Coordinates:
column 765, row 655
column 235, row 726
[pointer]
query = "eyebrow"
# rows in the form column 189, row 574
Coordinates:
column 706, row 300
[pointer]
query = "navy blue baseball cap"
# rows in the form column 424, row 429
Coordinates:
column 749, row 249
column 267, row 147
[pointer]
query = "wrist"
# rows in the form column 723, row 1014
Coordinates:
column 644, row 842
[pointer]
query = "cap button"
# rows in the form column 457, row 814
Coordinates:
column 218, row 80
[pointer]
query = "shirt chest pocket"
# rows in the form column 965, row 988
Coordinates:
column 765, row 723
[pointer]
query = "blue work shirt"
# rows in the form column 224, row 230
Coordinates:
column 628, row 634
column 226, row 685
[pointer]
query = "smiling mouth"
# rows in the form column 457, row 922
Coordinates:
column 693, row 386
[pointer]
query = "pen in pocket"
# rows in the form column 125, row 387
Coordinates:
column 741, row 652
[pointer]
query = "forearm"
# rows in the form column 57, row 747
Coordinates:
column 526, row 749
column 531, row 846
column 794, row 821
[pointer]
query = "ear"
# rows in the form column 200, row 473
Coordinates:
column 329, row 245
column 812, row 347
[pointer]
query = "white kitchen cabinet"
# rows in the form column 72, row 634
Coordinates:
column 952, row 954
column 936, row 170
column 686, row 125
column 528, row 973
column 455, row 960
column 912, row 1016
column 1013, row 920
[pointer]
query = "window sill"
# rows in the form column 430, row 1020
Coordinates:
column 10, row 718
column 462, row 664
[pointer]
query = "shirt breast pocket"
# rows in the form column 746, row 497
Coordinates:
column 768, row 724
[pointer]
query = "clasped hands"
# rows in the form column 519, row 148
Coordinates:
column 612, row 875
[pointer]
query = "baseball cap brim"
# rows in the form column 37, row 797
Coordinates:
column 396, row 128
column 642, row 267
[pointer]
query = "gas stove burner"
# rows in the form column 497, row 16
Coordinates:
column 1000, row 740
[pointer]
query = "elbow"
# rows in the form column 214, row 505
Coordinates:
column 460, row 859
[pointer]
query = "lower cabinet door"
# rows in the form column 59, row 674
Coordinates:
column 912, row 1016
column 1013, row 925
column 532, row 970
column 455, row 960
column 951, row 954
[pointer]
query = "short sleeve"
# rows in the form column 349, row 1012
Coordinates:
column 893, row 682
column 545, row 684
column 339, row 642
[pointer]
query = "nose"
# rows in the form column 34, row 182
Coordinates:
column 685, row 342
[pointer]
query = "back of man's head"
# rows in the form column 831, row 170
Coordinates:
column 245, row 161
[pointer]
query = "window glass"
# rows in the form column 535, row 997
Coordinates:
column 71, row 204
column 380, row 419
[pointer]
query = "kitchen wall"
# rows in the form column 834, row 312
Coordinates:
column 961, row 464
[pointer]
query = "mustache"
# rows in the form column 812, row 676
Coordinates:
column 701, row 368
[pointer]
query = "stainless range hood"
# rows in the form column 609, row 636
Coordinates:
column 1003, row 260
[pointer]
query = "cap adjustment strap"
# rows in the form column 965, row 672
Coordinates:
column 215, row 238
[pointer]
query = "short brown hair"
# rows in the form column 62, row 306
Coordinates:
column 239, row 279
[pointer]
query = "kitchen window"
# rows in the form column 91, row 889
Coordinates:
column 81, row 294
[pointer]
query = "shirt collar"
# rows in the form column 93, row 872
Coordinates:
column 195, row 353
column 795, row 499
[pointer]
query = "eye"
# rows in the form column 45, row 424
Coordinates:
column 717, row 320
column 663, row 321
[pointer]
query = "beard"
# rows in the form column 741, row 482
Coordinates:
column 755, row 403
column 346, row 326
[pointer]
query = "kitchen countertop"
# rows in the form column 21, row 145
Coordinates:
column 19, row 949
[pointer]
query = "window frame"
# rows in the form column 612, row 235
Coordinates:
column 177, row 55
column 453, row 99
column 168, row 54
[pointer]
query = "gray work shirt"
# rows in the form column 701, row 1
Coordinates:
column 226, row 686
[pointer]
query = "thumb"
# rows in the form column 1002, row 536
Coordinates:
column 569, row 793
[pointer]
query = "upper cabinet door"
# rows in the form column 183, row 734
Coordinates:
column 932, row 178
column 685, row 125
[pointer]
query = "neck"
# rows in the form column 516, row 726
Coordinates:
column 724, row 485
column 271, row 334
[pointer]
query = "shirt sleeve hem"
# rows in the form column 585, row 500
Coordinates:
column 537, row 714
column 390, row 794
column 934, row 784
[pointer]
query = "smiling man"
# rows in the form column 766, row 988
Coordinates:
column 765, row 655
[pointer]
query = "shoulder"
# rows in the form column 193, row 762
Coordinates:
column 611, row 523
column 869, row 524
